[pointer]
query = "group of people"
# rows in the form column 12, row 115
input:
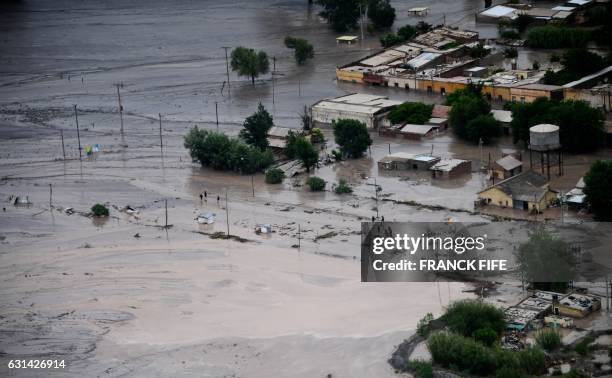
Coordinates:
column 204, row 197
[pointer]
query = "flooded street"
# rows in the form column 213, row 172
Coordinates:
column 126, row 296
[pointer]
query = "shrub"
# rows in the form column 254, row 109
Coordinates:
column 343, row 187
column 582, row 348
column 486, row 335
column 509, row 372
column 461, row 353
column 510, row 34
column 275, row 176
column 467, row 316
column 420, row 369
column 548, row 339
column 316, row 184
column 532, row 361
column 391, row 39
column 411, row 112
column 99, row 210
column 423, row 326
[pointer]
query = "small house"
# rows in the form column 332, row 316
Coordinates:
column 417, row 132
column 527, row 191
column 576, row 305
column 404, row 161
column 440, row 123
column 506, row 167
column 451, row 168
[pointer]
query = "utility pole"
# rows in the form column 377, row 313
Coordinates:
column 63, row 148
column 299, row 88
column 161, row 141
column 217, row 115
column 50, row 196
column 607, row 293
column 389, row 148
column 273, row 64
column 562, row 220
column 166, row 204
column 376, row 196
column 120, row 106
column 227, row 213
column 299, row 236
column 76, row 118
column 253, row 183
column 361, row 21
column 229, row 87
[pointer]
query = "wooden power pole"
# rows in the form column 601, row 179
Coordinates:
column 76, row 118
column 120, row 106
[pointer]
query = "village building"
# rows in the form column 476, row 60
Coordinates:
column 417, row 132
column 451, row 168
column 440, row 123
column 506, row 167
column 504, row 117
column 527, row 191
column 575, row 198
column 369, row 109
column 277, row 137
column 576, row 305
column 405, row 161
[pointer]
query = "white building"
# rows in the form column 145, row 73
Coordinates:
column 369, row 109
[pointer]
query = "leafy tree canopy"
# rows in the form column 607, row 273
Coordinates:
column 248, row 62
column 381, row 13
column 303, row 49
column 581, row 126
column 342, row 15
column 256, row 127
column 598, row 184
column 415, row 113
column 352, row 137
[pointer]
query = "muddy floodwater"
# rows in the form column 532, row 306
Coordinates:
column 127, row 296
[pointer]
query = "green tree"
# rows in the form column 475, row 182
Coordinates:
column 581, row 126
column 467, row 316
column 552, row 37
column 303, row 49
column 381, row 13
column 576, row 63
column 352, row 137
column 465, row 110
column 545, row 261
column 423, row 27
column 471, row 90
column 256, row 127
column 407, row 32
column 483, row 127
column 391, row 39
column 598, row 182
column 342, row 15
column 521, row 22
column 486, row 335
column 217, row 151
column 411, row 112
column 249, row 63
column 306, row 153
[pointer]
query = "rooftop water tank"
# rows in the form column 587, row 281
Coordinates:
column 544, row 137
